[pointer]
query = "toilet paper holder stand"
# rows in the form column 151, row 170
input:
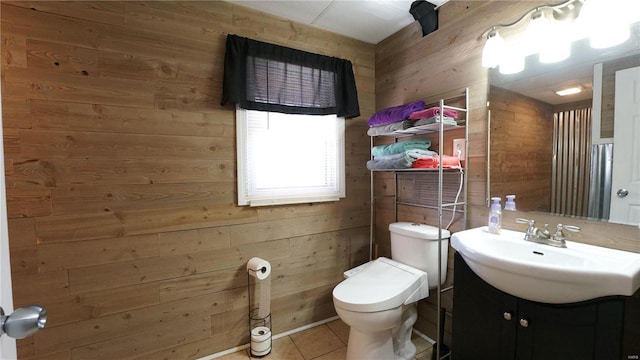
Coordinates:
column 260, row 339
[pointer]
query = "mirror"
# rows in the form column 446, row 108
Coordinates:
column 542, row 146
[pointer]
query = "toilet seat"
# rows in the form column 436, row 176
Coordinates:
column 383, row 284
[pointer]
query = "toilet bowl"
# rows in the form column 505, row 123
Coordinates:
column 379, row 304
column 378, row 300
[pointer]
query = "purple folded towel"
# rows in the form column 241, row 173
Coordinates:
column 396, row 113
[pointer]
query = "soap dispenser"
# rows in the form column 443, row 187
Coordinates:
column 495, row 216
column 511, row 203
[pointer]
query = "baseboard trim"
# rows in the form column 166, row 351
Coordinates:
column 425, row 337
column 293, row 331
column 275, row 337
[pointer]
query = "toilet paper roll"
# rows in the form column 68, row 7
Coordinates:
column 260, row 340
column 261, row 270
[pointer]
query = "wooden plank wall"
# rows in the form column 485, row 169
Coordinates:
column 121, row 181
column 120, row 169
column 521, row 149
column 410, row 66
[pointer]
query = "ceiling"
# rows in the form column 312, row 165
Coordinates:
column 370, row 21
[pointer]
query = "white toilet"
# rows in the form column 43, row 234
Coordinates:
column 378, row 299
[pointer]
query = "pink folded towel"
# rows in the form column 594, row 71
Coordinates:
column 431, row 112
column 448, row 162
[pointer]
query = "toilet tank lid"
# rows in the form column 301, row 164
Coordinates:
column 421, row 231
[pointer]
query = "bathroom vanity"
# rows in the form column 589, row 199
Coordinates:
column 491, row 324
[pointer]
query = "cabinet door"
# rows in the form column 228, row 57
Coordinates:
column 484, row 321
column 631, row 331
column 555, row 332
column 589, row 330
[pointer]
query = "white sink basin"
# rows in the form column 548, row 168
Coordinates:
column 544, row 273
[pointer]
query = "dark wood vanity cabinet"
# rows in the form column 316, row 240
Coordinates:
column 491, row 324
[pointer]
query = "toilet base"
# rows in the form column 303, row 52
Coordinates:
column 401, row 334
column 389, row 342
column 370, row 345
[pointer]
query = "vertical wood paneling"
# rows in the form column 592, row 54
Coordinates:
column 120, row 167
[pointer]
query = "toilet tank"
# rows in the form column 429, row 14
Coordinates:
column 416, row 245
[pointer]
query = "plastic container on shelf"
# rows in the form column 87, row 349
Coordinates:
column 495, row 216
column 511, row 203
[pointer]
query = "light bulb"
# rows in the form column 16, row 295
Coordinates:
column 610, row 35
column 512, row 63
column 537, row 32
column 606, row 22
column 557, row 47
column 493, row 50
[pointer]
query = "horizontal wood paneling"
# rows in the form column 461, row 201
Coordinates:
column 58, row 172
column 74, row 308
column 111, row 198
column 121, row 181
column 521, row 149
column 64, row 144
column 52, row 85
column 87, row 332
column 265, row 231
column 97, row 11
column 147, row 341
column 117, row 119
column 94, row 252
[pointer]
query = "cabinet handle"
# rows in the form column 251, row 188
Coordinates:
column 524, row 322
column 507, row 315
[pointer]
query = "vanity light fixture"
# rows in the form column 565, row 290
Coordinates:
column 552, row 27
column 569, row 91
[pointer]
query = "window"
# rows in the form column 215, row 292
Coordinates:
column 290, row 111
column 289, row 158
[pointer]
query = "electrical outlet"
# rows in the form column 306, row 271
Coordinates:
column 460, row 148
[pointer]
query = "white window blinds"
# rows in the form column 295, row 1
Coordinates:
column 289, row 158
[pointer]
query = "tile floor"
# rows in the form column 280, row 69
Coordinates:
column 324, row 342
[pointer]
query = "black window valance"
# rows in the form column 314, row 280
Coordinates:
column 267, row 77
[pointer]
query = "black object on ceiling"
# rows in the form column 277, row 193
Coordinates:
column 426, row 14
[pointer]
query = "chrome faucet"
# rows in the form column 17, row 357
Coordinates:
column 558, row 238
column 532, row 232
column 543, row 236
